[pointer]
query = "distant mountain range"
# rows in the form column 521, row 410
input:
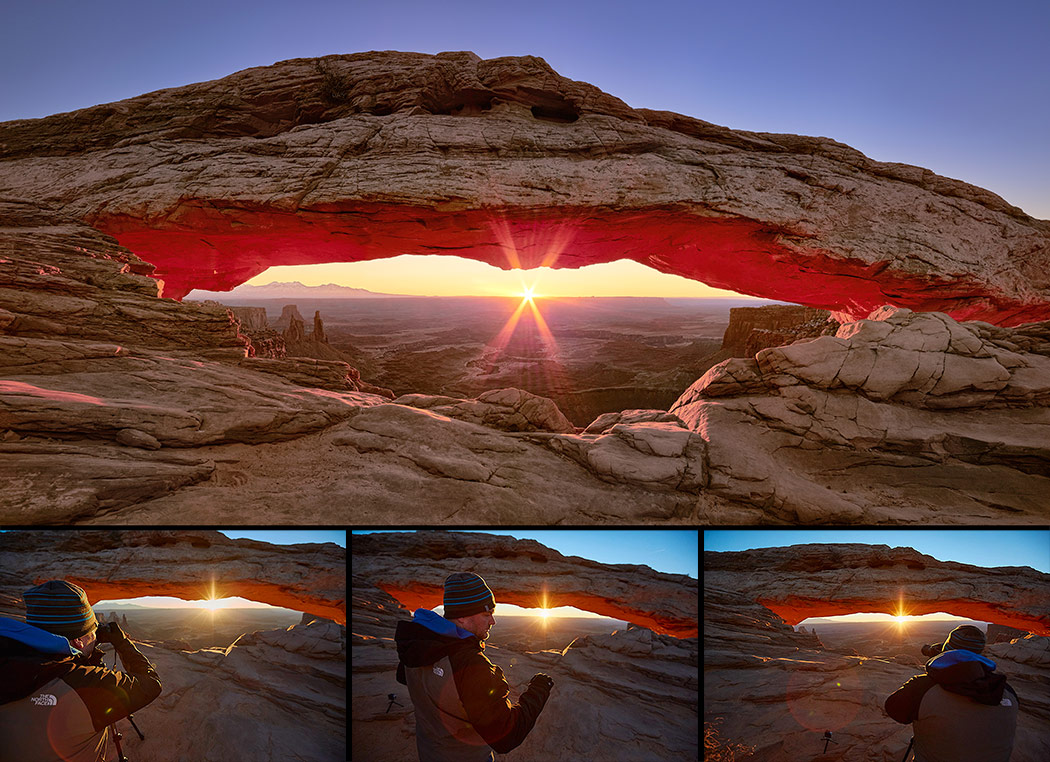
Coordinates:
column 111, row 606
column 294, row 290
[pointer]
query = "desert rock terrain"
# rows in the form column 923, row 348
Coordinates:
column 776, row 691
column 629, row 696
column 270, row 695
column 120, row 406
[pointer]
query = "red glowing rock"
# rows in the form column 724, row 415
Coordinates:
column 373, row 155
column 412, row 568
column 803, row 581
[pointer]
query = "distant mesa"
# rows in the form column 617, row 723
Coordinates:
column 292, row 290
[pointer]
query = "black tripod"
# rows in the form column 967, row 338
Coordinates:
column 827, row 740
column 117, row 735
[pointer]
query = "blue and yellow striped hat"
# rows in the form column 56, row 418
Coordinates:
column 59, row 607
column 465, row 594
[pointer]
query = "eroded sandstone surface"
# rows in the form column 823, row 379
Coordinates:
column 777, row 691
column 412, row 567
column 193, row 565
column 352, row 157
column 119, row 406
column 803, row 581
column 631, row 695
column 269, row 695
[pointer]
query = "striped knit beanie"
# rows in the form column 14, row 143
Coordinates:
column 465, row 594
column 59, row 607
column 965, row 636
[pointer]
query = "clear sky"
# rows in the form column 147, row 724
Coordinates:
column 672, row 551
column 288, row 536
column 957, row 86
column 979, row 547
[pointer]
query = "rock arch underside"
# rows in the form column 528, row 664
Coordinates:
column 117, row 404
column 631, row 693
column 412, row 568
column 281, row 692
column 777, row 690
column 192, row 565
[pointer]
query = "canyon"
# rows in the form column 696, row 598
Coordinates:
column 928, row 387
column 270, row 694
column 630, row 695
column 775, row 690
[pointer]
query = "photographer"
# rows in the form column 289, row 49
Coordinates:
column 961, row 710
column 57, row 702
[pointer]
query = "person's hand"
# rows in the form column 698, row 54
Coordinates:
column 110, row 632
column 542, row 680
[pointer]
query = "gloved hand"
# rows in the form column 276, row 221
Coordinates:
column 542, row 681
column 110, row 632
column 931, row 650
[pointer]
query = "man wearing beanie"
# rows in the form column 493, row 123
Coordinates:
column 459, row 696
column 57, row 701
column 961, row 710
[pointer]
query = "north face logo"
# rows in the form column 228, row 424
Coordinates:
column 44, row 699
column 439, row 672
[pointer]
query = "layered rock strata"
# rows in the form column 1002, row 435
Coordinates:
column 353, row 157
column 803, row 581
column 192, row 564
column 412, row 567
column 631, row 695
column 776, row 691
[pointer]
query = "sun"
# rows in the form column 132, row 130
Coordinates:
column 529, row 294
column 211, row 605
column 543, row 614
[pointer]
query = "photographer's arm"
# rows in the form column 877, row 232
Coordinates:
column 903, row 704
column 111, row 696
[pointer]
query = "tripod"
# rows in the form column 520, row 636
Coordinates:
column 117, row 735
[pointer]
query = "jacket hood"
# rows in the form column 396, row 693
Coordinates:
column 967, row 674
column 30, row 658
column 429, row 638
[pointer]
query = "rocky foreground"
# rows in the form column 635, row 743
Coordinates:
column 272, row 695
column 776, row 691
column 630, row 696
column 119, row 406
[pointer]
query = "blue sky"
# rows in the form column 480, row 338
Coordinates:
column 960, row 87
column 979, row 547
column 670, row 551
column 288, row 536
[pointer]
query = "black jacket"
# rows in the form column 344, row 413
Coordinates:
column 55, row 703
column 460, row 697
column 961, row 709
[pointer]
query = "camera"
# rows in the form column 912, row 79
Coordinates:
column 107, row 632
column 931, row 650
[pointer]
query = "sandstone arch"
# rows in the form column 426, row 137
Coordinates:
column 370, row 155
column 804, row 581
column 412, row 568
column 114, row 564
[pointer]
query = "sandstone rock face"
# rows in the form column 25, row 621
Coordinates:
column 803, row 581
column 277, row 694
column 412, row 567
column 752, row 329
column 504, row 409
column 132, row 563
column 776, row 691
column 629, row 696
column 354, row 157
column 270, row 695
column 1000, row 633
column 894, row 412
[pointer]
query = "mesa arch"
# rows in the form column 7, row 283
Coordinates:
column 412, row 567
column 371, row 155
column 115, row 564
column 803, row 581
